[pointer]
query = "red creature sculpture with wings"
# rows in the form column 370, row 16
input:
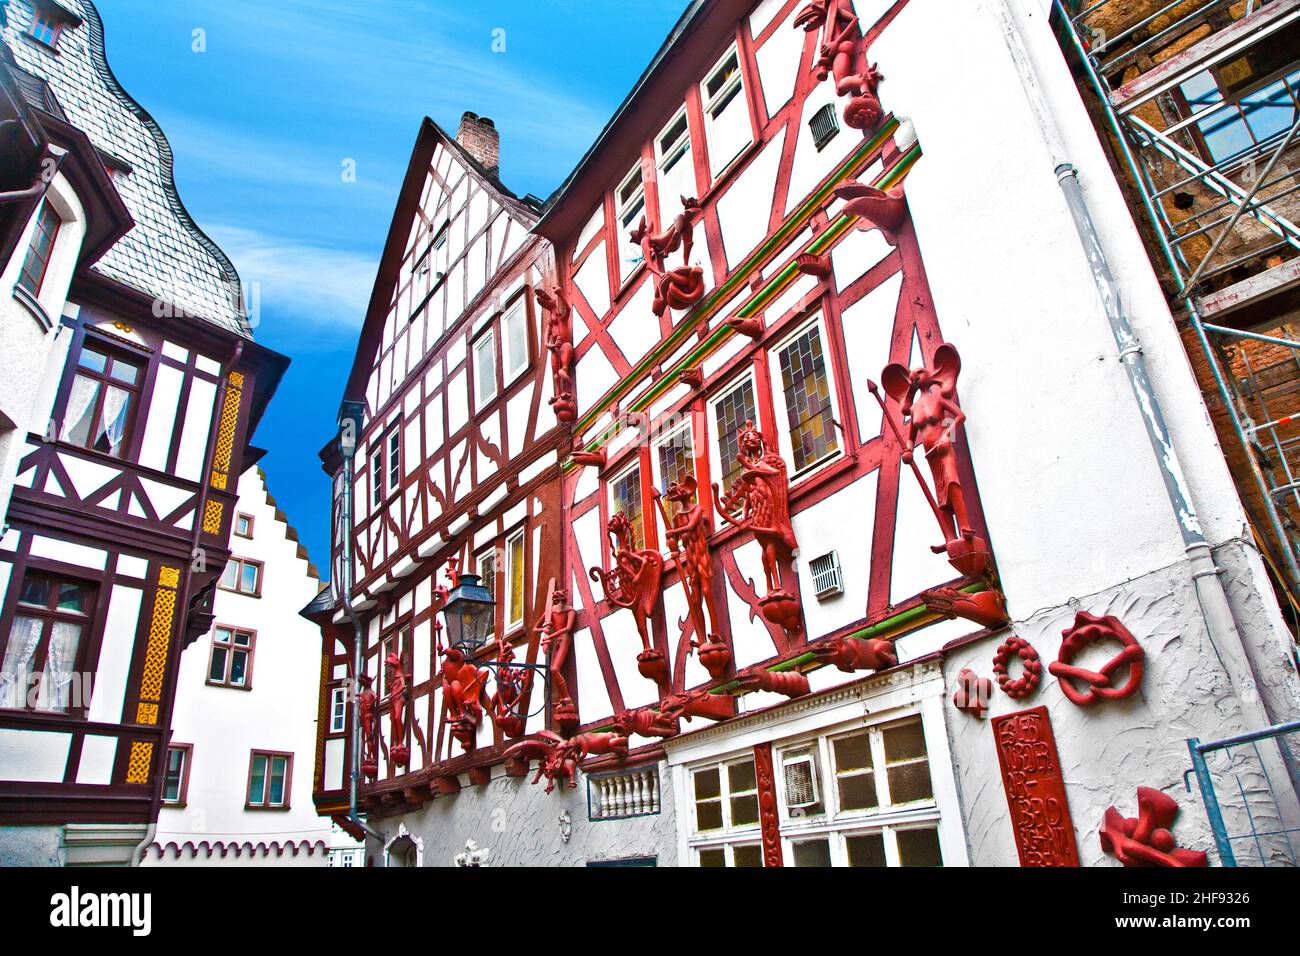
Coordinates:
column 558, row 759
column 927, row 398
column 634, row 582
column 678, row 288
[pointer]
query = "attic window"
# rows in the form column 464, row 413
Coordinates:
column 824, row 126
column 48, row 22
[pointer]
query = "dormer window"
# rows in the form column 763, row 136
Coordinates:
column 630, row 201
column 49, row 20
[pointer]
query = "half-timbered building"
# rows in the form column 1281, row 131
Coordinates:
column 141, row 390
column 860, row 460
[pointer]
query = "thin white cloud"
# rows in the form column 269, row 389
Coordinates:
column 317, row 289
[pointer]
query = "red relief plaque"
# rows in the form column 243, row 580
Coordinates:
column 767, row 815
column 1031, row 776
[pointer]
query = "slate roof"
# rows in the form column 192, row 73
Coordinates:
column 166, row 255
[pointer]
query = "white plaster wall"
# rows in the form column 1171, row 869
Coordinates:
column 279, row 713
column 520, row 824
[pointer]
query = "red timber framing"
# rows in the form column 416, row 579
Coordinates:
column 641, row 376
column 700, row 355
column 155, row 533
column 477, row 458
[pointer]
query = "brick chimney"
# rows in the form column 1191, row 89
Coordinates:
column 478, row 135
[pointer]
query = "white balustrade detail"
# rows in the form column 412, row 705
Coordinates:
column 626, row 794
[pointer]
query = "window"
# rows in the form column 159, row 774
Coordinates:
column 244, row 525
column 485, row 368
column 102, row 400
column 806, row 391
column 176, row 778
column 625, row 498
column 676, row 175
column 726, row 113
column 675, row 456
column 630, row 204
column 514, row 336
column 486, row 562
column 731, row 411
column 338, row 709
column 242, row 576
column 268, row 780
column 515, row 579
column 40, row 657
column 394, row 459
column 877, row 807
column 725, row 823
column 1241, row 123
column 377, row 476
column 45, row 232
column 46, row 28
column 231, row 663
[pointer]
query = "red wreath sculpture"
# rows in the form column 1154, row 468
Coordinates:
column 1027, row 682
column 1089, row 629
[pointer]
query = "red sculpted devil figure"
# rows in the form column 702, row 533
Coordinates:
column 397, row 708
column 633, row 582
column 842, row 49
column 678, row 288
column 556, row 629
column 369, row 718
column 761, row 495
column 687, row 531
column 559, row 342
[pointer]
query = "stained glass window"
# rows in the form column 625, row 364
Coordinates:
column 810, row 414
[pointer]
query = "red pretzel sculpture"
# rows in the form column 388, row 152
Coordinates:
column 1089, row 629
column 1027, row 682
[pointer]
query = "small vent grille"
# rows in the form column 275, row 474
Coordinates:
column 828, row 580
column 824, row 126
column 800, row 772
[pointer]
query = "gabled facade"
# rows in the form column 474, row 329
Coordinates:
column 457, row 460
column 861, row 463
column 237, row 790
column 137, row 405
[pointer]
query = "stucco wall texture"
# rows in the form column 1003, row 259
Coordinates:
column 520, row 825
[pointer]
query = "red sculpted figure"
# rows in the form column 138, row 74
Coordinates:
column 1145, row 840
column 462, row 695
column 511, row 689
column 556, row 628
column 634, row 583
column 558, row 760
column 843, row 47
column 927, row 396
column 369, row 718
column 678, row 288
column 397, row 708
column 687, row 531
column 762, row 496
column 559, row 342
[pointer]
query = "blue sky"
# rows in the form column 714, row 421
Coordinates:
column 287, row 91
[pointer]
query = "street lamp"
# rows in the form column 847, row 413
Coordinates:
column 468, row 612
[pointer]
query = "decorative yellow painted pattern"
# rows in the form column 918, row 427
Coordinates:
column 212, row 517
column 160, row 631
column 146, row 713
column 226, row 428
column 218, row 481
column 137, row 768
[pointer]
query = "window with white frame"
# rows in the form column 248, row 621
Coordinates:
column 486, row 565
column 625, row 498
column 729, row 412
column 805, row 398
column 377, row 475
column 675, row 166
column 338, row 709
column 724, row 822
column 514, row 338
column 861, row 797
column 394, row 459
column 230, row 662
column 515, row 579
column 629, row 204
column 726, row 112
column 485, row 368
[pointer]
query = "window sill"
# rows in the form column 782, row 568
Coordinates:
column 213, row 683
column 283, row 809
column 40, row 44
column 34, row 308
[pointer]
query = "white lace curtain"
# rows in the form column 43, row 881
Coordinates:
column 60, row 664
column 15, row 673
column 80, row 402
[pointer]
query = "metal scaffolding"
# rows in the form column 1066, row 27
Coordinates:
column 1228, row 248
